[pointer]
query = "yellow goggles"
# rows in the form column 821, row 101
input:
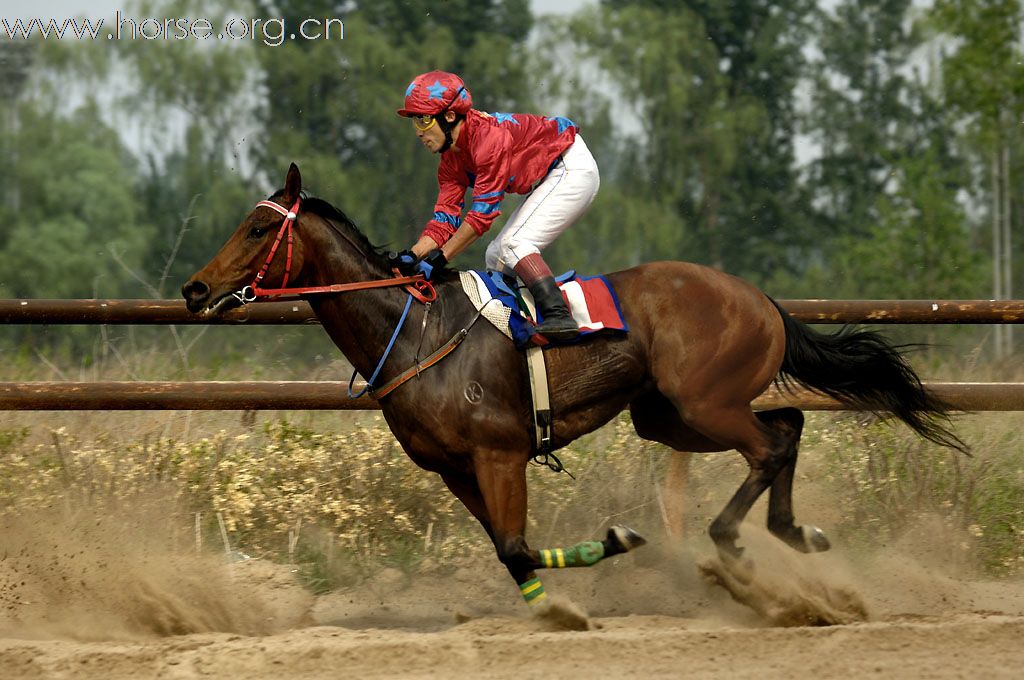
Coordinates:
column 424, row 123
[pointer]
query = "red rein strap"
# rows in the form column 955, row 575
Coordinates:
column 417, row 286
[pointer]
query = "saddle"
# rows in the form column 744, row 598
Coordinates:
column 509, row 306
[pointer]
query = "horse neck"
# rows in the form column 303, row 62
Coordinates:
column 360, row 322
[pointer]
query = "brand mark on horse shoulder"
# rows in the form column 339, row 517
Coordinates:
column 474, row 393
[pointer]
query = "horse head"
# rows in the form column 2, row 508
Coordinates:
column 263, row 249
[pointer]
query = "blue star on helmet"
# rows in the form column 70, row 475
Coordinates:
column 437, row 90
column 408, row 90
column 563, row 123
column 505, row 118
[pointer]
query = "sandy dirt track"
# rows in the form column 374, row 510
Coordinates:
column 635, row 646
column 650, row 615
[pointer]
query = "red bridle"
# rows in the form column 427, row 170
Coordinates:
column 417, row 285
column 286, row 227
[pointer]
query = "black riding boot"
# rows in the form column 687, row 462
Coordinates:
column 558, row 323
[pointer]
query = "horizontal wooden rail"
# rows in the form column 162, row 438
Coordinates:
column 332, row 395
column 39, row 311
column 964, row 396
column 906, row 311
column 180, row 396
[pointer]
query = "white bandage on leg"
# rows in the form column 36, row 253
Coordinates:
column 558, row 201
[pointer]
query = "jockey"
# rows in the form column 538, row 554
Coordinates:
column 494, row 154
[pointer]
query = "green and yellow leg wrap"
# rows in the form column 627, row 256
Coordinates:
column 533, row 591
column 580, row 555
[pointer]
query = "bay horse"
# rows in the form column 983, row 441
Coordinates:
column 701, row 346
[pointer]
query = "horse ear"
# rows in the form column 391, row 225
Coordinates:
column 292, row 184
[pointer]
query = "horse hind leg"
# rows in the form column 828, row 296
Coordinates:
column 769, row 443
column 736, row 427
column 787, row 423
column 656, row 419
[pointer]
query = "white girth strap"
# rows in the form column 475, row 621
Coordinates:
column 541, row 402
column 539, row 389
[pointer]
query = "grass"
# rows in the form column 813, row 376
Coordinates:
column 892, row 484
column 345, row 502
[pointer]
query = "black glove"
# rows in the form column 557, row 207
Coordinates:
column 404, row 261
column 432, row 263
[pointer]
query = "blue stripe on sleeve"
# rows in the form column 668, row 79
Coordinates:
column 454, row 220
column 493, row 194
column 485, row 208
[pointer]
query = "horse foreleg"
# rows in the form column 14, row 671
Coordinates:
column 467, row 490
column 620, row 539
column 788, row 423
column 500, row 485
column 501, row 479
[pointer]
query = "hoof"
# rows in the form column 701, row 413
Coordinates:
column 625, row 538
column 814, row 539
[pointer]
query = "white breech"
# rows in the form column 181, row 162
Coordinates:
column 556, row 202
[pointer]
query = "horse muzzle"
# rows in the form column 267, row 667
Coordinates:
column 196, row 294
column 199, row 299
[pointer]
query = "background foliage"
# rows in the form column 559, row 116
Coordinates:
column 818, row 150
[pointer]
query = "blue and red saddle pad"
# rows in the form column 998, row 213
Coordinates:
column 591, row 300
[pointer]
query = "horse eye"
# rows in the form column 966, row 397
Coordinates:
column 257, row 232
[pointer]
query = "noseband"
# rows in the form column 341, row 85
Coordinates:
column 417, row 285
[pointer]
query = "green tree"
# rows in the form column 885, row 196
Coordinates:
column 764, row 208
column 635, row 107
column 193, row 104
column 984, row 84
column 78, row 213
column 859, row 109
column 921, row 234
column 710, row 86
column 889, row 177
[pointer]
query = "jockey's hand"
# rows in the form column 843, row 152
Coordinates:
column 432, row 263
column 404, row 261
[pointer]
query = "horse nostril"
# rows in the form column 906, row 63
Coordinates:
column 195, row 290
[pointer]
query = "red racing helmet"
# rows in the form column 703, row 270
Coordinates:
column 435, row 92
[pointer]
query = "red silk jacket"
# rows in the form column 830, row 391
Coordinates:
column 498, row 153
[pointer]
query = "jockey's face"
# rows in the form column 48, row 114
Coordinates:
column 430, row 133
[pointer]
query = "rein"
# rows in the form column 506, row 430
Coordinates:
column 417, row 285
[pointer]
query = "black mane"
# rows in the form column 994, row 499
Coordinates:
column 322, row 208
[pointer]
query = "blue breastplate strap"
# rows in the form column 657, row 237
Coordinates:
column 384, row 357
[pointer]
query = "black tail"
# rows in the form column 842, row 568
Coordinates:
column 864, row 371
